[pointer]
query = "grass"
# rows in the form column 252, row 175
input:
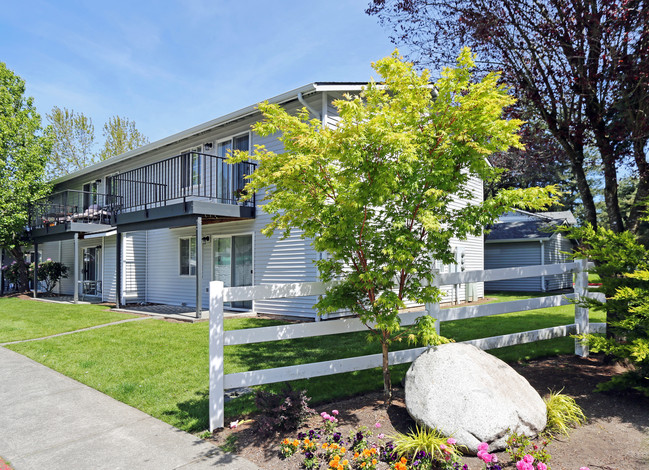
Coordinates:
column 161, row 368
column 27, row 319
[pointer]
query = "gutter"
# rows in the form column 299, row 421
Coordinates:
column 305, row 104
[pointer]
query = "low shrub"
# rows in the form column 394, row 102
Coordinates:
column 284, row 411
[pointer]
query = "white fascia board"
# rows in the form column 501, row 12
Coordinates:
column 517, row 240
column 108, row 233
column 192, row 131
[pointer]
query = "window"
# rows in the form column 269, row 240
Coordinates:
column 91, row 194
column 230, row 179
column 191, row 163
column 188, row 256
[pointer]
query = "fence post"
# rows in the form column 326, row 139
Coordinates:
column 581, row 313
column 217, row 401
column 433, row 309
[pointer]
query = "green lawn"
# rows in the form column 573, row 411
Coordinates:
column 26, row 319
column 161, row 367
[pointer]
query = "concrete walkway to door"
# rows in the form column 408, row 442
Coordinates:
column 50, row 421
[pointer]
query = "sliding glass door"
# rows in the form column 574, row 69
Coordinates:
column 232, row 264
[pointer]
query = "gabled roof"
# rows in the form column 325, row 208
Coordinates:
column 220, row 121
column 527, row 226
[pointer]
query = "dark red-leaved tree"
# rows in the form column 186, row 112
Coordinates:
column 581, row 65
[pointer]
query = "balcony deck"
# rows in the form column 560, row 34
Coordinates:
column 175, row 191
column 60, row 215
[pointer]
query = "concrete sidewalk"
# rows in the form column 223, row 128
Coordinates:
column 49, row 421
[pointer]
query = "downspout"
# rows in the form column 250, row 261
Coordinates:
column 309, row 108
column 325, row 108
column 542, row 264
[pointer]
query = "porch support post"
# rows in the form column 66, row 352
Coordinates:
column 76, row 268
column 35, row 268
column 118, row 270
column 199, row 267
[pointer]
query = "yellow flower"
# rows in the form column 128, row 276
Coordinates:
column 325, row 445
column 363, row 464
column 374, row 461
column 343, row 450
column 356, row 454
column 345, row 462
column 337, row 458
column 285, row 441
column 296, row 443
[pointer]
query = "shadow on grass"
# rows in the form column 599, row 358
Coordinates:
column 192, row 415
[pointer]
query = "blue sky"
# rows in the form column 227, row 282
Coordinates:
column 173, row 64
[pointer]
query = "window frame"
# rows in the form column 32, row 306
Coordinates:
column 189, row 257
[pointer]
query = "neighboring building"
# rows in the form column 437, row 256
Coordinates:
column 526, row 239
column 158, row 223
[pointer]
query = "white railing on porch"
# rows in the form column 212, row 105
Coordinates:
column 220, row 338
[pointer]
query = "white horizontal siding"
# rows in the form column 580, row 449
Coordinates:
column 109, row 280
column 67, row 258
column 134, row 256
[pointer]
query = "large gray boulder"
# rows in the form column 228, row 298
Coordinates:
column 473, row 396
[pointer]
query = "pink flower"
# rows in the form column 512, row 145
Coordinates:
column 483, row 446
column 377, row 425
column 442, row 447
column 334, row 412
column 450, row 441
column 325, row 415
column 584, row 468
column 541, row 466
column 528, row 459
column 481, row 453
column 487, row 457
column 381, row 436
column 523, row 465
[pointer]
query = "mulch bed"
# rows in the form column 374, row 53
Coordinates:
column 615, row 437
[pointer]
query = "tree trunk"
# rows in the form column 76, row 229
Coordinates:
column 584, row 191
column 387, row 382
column 640, row 201
column 610, row 193
column 23, row 280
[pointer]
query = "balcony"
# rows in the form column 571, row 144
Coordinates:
column 190, row 184
column 70, row 211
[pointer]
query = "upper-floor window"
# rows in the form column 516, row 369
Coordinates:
column 230, row 179
column 191, row 166
column 91, row 194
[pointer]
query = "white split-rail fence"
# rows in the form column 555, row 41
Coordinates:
column 219, row 382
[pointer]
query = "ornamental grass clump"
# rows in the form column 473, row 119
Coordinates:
column 430, row 441
column 563, row 414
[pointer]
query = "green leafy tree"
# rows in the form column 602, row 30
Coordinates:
column 73, row 144
column 622, row 264
column 121, row 136
column 24, row 149
column 378, row 193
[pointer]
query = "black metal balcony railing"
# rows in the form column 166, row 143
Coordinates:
column 71, row 206
column 189, row 176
